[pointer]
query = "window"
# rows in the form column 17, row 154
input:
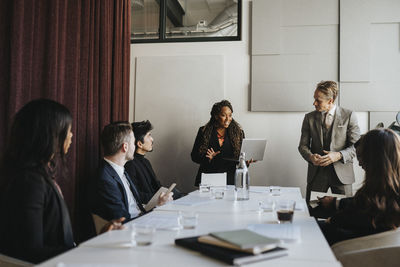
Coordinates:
column 185, row 20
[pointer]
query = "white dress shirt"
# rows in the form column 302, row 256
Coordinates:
column 134, row 210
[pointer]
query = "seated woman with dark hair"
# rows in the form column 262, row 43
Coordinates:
column 217, row 142
column 376, row 205
column 35, row 224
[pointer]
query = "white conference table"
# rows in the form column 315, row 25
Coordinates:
column 114, row 248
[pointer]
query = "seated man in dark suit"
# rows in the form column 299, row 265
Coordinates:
column 114, row 194
column 140, row 168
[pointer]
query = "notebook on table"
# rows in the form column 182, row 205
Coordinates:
column 207, row 239
column 226, row 255
column 246, row 239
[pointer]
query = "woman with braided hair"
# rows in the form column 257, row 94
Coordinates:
column 218, row 142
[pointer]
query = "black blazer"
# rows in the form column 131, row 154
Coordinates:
column 35, row 224
column 350, row 221
column 144, row 177
column 355, row 219
column 218, row 164
column 109, row 199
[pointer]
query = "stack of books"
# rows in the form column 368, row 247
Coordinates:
column 235, row 247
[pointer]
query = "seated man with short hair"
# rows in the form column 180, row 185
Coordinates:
column 140, row 168
column 114, row 193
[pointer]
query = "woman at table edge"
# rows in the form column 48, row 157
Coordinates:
column 376, row 205
column 35, row 223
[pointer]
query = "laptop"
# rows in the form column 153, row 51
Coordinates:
column 253, row 148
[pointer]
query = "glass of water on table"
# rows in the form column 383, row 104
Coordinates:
column 142, row 235
column 188, row 219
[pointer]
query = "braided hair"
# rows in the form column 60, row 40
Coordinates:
column 234, row 130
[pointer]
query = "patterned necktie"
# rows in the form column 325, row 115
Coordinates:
column 328, row 120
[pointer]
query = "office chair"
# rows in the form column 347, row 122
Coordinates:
column 98, row 222
column 381, row 249
column 6, row 261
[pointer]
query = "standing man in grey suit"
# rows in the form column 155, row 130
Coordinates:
column 327, row 142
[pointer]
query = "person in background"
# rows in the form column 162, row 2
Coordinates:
column 376, row 205
column 140, row 168
column 35, row 223
column 218, row 142
column 327, row 142
column 114, row 195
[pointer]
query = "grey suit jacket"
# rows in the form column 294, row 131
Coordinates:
column 345, row 132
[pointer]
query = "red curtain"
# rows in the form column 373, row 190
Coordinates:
column 76, row 52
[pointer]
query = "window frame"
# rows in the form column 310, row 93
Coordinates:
column 162, row 30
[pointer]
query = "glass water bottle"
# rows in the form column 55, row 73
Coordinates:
column 242, row 179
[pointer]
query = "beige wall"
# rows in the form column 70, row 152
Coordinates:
column 282, row 164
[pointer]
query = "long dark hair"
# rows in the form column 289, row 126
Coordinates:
column 37, row 135
column 379, row 196
column 234, row 130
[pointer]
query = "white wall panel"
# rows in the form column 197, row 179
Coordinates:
column 266, row 27
column 309, row 12
column 370, row 54
column 354, row 40
column 373, row 96
column 308, row 53
column 288, row 68
column 323, row 67
column 310, row 39
column 176, row 94
column 385, row 53
column 270, row 95
column 387, row 11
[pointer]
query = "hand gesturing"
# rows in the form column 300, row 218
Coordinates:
column 211, row 153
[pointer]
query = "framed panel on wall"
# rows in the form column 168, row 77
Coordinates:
column 294, row 46
column 155, row 21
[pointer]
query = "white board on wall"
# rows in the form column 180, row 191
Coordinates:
column 176, row 94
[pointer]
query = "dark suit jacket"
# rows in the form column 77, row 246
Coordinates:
column 109, row 199
column 144, row 178
column 345, row 132
column 354, row 218
column 218, row 164
column 35, row 224
column 350, row 221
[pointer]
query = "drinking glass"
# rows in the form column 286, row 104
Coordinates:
column 267, row 205
column 204, row 188
column 188, row 219
column 218, row 193
column 275, row 190
column 285, row 210
column 142, row 235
